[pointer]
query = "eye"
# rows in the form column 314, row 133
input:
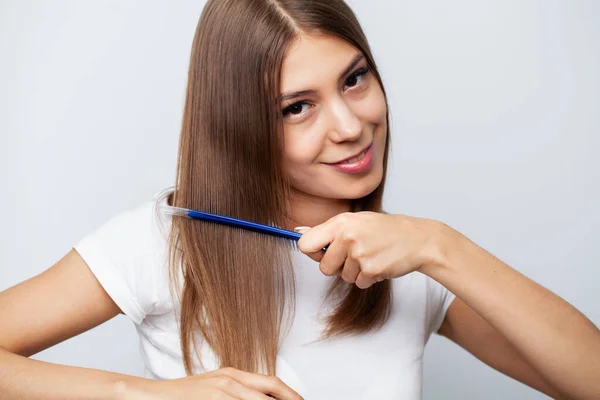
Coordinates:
column 356, row 78
column 296, row 109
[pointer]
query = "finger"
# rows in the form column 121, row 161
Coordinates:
column 317, row 256
column 351, row 270
column 314, row 239
column 232, row 389
column 364, row 281
column 333, row 259
column 263, row 383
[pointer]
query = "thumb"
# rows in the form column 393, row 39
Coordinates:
column 301, row 229
column 317, row 255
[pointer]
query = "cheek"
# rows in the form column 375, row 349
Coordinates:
column 372, row 109
column 300, row 151
column 300, row 163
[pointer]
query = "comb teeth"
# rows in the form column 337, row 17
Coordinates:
column 292, row 242
column 270, row 228
column 294, row 245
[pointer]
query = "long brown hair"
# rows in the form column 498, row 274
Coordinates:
column 238, row 286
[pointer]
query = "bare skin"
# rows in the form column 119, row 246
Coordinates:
column 503, row 318
column 500, row 316
column 67, row 300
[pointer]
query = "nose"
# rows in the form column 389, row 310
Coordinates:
column 345, row 124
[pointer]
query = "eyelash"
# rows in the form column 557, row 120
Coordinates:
column 357, row 74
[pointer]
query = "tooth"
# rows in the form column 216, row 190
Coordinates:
column 355, row 159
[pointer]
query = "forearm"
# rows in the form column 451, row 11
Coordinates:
column 556, row 339
column 22, row 378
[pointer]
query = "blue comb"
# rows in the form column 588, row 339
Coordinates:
column 233, row 222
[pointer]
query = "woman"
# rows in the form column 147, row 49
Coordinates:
column 286, row 123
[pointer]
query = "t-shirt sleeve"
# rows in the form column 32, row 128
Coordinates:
column 438, row 301
column 121, row 254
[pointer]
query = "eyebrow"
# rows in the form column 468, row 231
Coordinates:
column 287, row 96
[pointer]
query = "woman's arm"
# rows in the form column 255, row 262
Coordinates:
column 466, row 328
column 22, row 378
column 67, row 300
column 555, row 339
column 47, row 309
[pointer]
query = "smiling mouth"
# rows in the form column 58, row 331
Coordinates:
column 355, row 158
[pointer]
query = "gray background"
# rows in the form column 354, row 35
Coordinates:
column 495, row 111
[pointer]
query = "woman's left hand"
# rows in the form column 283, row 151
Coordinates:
column 496, row 303
column 368, row 247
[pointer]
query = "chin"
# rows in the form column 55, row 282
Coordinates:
column 361, row 188
column 366, row 190
column 346, row 188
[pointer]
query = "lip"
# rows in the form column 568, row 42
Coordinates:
column 362, row 165
column 352, row 156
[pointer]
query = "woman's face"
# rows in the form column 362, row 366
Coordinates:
column 334, row 114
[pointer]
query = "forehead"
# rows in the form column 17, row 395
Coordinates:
column 314, row 60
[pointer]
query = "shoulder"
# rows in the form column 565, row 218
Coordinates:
column 420, row 295
column 128, row 254
column 134, row 230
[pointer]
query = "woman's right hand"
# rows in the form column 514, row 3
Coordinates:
column 222, row 384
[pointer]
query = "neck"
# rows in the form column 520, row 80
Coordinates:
column 310, row 210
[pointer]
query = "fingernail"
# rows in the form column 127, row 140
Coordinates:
column 301, row 229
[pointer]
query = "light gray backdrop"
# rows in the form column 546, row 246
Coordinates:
column 495, row 110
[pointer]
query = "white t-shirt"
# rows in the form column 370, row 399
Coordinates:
column 128, row 256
